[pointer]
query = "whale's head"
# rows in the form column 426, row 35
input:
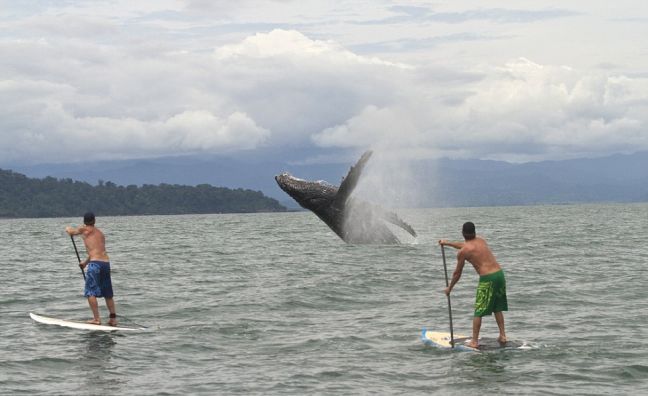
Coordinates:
column 309, row 194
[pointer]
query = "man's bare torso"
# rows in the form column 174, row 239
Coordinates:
column 477, row 253
column 95, row 243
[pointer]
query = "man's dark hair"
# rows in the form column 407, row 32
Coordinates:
column 89, row 218
column 468, row 230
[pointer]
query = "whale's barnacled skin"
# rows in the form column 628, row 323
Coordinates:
column 353, row 220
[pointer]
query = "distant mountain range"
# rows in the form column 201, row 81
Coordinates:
column 444, row 182
column 617, row 178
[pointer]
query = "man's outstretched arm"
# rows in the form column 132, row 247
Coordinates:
column 75, row 230
column 456, row 245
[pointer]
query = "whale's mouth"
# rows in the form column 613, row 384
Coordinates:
column 305, row 192
column 287, row 176
column 288, row 182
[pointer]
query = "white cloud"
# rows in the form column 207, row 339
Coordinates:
column 42, row 127
column 154, row 78
column 546, row 111
column 203, row 131
column 292, row 44
column 372, row 127
column 521, row 111
column 296, row 86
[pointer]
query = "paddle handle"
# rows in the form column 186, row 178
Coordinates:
column 79, row 257
column 445, row 271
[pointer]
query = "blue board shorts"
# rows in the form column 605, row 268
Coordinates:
column 98, row 283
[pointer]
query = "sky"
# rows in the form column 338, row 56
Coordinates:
column 505, row 80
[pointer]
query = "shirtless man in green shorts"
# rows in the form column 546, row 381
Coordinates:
column 491, row 290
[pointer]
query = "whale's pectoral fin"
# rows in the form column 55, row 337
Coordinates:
column 394, row 219
column 351, row 180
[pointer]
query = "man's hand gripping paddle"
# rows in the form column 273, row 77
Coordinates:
column 79, row 257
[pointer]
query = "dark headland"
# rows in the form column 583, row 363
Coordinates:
column 21, row 196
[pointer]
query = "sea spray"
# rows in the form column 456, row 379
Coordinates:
column 387, row 184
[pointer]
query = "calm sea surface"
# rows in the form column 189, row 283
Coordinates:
column 277, row 304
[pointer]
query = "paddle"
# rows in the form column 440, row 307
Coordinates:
column 79, row 257
column 445, row 270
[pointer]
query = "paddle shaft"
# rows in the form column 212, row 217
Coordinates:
column 445, row 271
column 79, row 257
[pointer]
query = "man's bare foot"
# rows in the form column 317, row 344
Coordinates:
column 112, row 322
column 94, row 321
column 473, row 344
column 501, row 339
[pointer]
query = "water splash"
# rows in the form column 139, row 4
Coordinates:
column 386, row 185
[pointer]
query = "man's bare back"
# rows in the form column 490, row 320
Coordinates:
column 477, row 253
column 94, row 240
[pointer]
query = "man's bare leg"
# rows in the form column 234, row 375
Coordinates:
column 92, row 301
column 499, row 318
column 110, row 303
column 474, row 343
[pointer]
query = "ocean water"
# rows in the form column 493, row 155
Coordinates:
column 277, row 304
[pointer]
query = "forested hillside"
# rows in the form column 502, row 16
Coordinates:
column 21, row 196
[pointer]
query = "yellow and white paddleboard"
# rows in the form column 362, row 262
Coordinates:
column 442, row 340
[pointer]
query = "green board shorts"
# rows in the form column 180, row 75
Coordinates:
column 491, row 294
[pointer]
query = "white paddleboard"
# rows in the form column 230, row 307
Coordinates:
column 442, row 340
column 81, row 325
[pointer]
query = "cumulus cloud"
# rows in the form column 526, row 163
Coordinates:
column 372, row 126
column 294, row 45
column 202, row 130
column 532, row 110
column 45, row 129
column 273, row 88
column 150, row 80
column 520, row 111
column 296, row 86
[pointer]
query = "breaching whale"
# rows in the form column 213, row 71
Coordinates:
column 353, row 220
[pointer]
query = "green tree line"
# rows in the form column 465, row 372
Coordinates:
column 21, row 196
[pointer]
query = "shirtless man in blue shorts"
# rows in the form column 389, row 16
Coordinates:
column 98, row 282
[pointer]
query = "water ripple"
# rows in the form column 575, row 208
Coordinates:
column 277, row 304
